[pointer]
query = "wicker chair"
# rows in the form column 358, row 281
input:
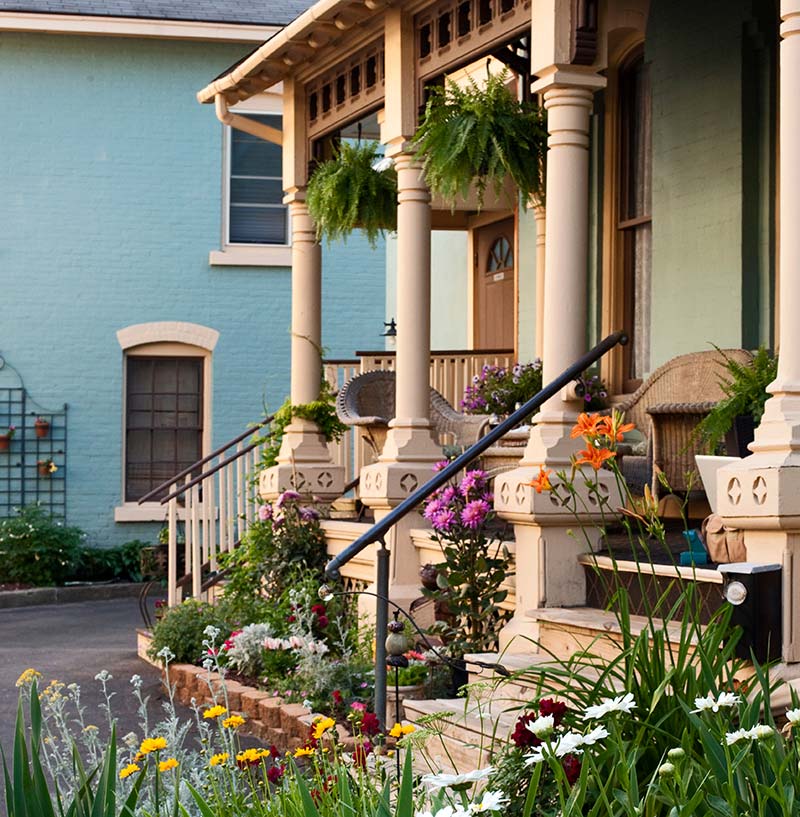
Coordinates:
column 667, row 408
column 367, row 402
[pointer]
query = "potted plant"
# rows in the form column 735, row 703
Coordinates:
column 734, row 418
column 354, row 189
column 6, row 437
column 499, row 390
column 478, row 135
column 46, row 467
column 41, row 427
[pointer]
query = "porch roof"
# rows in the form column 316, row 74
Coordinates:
column 320, row 26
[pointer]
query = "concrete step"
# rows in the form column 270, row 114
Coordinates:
column 563, row 631
column 468, row 731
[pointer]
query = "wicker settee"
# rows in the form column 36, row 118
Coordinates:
column 367, row 402
column 667, row 408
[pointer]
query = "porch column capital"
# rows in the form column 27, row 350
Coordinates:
column 761, row 493
column 304, row 462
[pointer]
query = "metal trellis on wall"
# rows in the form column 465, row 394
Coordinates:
column 33, row 461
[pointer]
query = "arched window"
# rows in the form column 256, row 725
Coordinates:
column 166, row 407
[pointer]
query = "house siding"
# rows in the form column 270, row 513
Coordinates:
column 110, row 201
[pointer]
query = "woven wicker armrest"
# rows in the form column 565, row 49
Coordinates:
column 365, row 421
column 632, row 449
column 681, row 408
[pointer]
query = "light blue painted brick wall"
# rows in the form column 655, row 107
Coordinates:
column 110, row 186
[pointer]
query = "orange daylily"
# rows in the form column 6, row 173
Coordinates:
column 542, row 481
column 614, row 428
column 587, row 425
column 594, row 457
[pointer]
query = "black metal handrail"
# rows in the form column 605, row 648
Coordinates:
column 378, row 531
column 200, row 463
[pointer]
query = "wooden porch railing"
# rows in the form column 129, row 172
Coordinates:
column 451, row 372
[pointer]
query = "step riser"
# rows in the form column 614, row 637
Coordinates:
column 564, row 641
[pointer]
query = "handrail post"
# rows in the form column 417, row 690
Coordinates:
column 172, row 550
column 381, row 629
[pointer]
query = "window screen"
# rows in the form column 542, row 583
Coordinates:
column 163, row 420
column 256, row 214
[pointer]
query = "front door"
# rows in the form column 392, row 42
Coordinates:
column 494, row 285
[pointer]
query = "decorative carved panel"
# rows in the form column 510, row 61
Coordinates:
column 452, row 32
column 352, row 87
column 584, row 32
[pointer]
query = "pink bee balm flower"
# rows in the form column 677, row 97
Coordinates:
column 264, row 512
column 475, row 513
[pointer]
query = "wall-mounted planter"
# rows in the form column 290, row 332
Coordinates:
column 41, row 427
column 5, row 442
column 46, row 468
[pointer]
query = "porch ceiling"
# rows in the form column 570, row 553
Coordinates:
column 319, row 29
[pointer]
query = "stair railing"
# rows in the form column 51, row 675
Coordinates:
column 377, row 533
column 218, row 506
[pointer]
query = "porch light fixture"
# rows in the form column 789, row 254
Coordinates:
column 735, row 593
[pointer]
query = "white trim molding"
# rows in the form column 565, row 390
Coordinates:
column 238, row 255
column 103, row 26
column 146, row 512
column 168, row 332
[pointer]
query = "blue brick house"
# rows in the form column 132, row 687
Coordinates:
column 144, row 259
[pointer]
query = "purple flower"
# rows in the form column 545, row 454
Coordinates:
column 308, row 514
column 285, row 497
column 475, row 513
column 587, row 398
column 441, row 465
column 264, row 512
column 433, row 507
column 448, row 494
column 444, row 520
column 473, row 481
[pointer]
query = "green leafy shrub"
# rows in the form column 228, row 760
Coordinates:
column 181, row 630
column 36, row 549
column 117, row 564
column 481, row 134
column 348, row 192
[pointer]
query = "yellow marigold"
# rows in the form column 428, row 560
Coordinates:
column 303, row 751
column 251, row 756
column 166, row 765
column 322, row 725
column 130, row 769
column 218, row 759
column 398, row 730
column 152, row 745
column 28, row 677
column 214, row 712
column 233, row 721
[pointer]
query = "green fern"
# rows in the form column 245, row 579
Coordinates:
column 745, row 394
column 347, row 192
column 481, row 134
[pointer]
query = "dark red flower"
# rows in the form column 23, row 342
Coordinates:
column 360, row 753
column 547, row 706
column 274, row 774
column 337, row 697
column 522, row 736
column 291, row 619
column 322, row 621
column 319, row 609
column 572, row 768
column 370, row 725
column 273, row 751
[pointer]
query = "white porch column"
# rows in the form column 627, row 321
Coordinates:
column 762, row 493
column 547, row 570
column 304, row 463
column 539, row 217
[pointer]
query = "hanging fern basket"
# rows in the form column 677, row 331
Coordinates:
column 348, row 192
column 477, row 136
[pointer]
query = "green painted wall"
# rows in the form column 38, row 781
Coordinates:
column 706, row 280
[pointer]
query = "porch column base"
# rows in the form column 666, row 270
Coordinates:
column 552, row 529
column 763, row 500
column 304, row 465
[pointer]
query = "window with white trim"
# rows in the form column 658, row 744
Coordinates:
column 254, row 209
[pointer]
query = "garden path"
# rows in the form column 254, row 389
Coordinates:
column 72, row 643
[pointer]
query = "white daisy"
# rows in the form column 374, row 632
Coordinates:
column 598, row 733
column 542, row 726
column 761, row 732
column 735, row 737
column 491, row 801
column 724, row 699
column 442, row 781
column 793, row 716
column 622, row 703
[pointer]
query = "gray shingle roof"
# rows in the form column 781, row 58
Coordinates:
column 259, row 12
